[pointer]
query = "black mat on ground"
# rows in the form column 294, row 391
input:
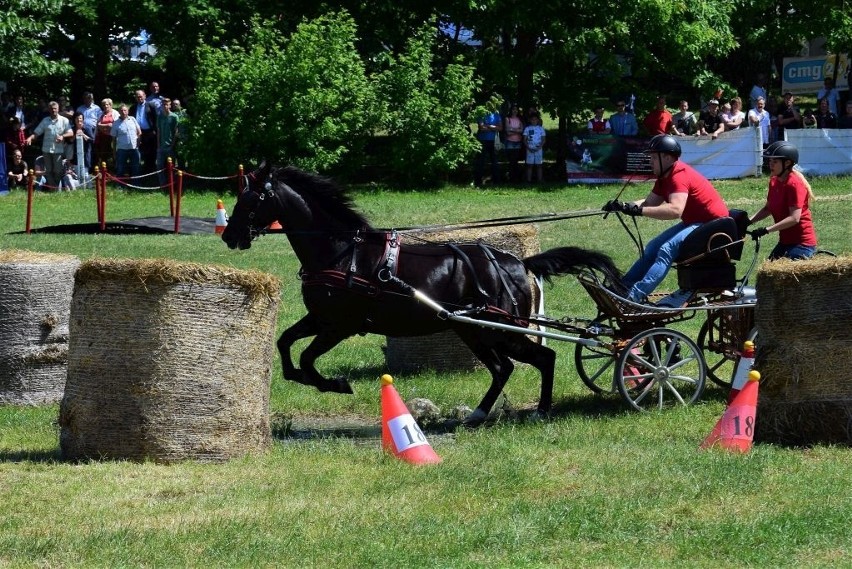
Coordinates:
column 142, row 226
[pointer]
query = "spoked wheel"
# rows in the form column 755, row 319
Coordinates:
column 659, row 368
column 595, row 364
column 721, row 340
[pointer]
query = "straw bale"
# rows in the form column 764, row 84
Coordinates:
column 35, row 301
column 168, row 361
column 804, row 351
column 444, row 351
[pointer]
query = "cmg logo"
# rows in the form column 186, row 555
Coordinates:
column 803, row 72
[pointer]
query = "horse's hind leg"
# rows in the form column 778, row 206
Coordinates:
column 304, row 328
column 500, row 367
column 542, row 358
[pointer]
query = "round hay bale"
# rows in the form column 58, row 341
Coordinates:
column 34, row 307
column 168, row 362
column 804, row 351
column 444, row 351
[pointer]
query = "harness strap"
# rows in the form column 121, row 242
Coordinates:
column 463, row 256
column 357, row 240
column 490, row 256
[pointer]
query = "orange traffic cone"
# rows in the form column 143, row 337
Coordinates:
column 744, row 365
column 221, row 218
column 735, row 430
column 275, row 226
column 401, row 436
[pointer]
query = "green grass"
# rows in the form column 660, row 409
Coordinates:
column 595, row 486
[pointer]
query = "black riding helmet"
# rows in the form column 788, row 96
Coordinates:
column 664, row 143
column 783, row 150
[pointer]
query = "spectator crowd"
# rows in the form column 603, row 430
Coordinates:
column 59, row 142
column 716, row 117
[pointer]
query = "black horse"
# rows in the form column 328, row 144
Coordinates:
column 357, row 280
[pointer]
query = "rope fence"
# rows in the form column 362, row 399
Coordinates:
column 101, row 176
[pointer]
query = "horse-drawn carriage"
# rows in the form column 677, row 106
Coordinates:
column 357, row 279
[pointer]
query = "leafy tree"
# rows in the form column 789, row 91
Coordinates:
column 425, row 112
column 303, row 100
column 23, row 26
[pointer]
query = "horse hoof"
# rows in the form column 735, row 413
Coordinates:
column 476, row 418
column 537, row 417
column 338, row 385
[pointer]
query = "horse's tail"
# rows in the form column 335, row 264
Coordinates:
column 570, row 260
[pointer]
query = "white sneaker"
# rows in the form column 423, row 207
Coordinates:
column 676, row 299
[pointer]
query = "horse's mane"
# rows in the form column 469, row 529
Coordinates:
column 324, row 192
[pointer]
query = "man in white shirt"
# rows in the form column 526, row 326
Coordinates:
column 759, row 117
column 54, row 129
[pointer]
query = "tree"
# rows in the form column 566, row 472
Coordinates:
column 23, row 25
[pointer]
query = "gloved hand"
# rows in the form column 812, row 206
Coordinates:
column 632, row 209
column 612, row 205
column 758, row 233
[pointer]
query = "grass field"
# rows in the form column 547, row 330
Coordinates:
column 597, row 485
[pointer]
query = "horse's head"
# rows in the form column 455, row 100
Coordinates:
column 257, row 207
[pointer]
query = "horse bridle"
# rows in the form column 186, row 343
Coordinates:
column 267, row 192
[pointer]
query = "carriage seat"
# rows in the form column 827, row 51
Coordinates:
column 697, row 268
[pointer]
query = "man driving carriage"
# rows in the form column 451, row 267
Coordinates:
column 680, row 192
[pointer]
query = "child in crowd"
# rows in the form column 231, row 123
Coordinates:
column 534, row 138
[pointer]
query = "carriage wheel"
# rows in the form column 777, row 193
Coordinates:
column 659, row 368
column 721, row 348
column 595, row 365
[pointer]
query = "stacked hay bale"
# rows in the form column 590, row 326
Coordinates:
column 804, row 351
column 35, row 301
column 168, row 361
column 444, row 351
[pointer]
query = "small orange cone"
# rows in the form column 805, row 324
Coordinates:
column 744, row 365
column 221, row 218
column 275, row 226
column 735, row 430
column 401, row 435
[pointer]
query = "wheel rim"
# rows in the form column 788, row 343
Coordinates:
column 595, row 367
column 721, row 345
column 660, row 368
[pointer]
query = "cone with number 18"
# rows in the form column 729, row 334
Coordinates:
column 401, row 435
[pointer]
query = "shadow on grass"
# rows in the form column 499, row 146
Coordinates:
column 30, row 456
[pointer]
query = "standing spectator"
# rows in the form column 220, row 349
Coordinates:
column 14, row 139
column 734, row 118
column 684, row 122
column 146, row 118
column 154, row 98
column 534, row 139
column 80, row 131
column 824, row 117
column 53, row 129
column 65, row 108
column 126, row 132
column 788, row 115
column 759, row 117
column 829, row 92
column 18, row 111
column 183, row 130
column 758, row 90
column 846, row 120
column 513, row 137
column 488, row 127
column 598, row 124
column 658, row 121
column 788, row 204
column 91, row 115
column 17, row 172
column 622, row 122
column 167, row 132
column 711, row 120
column 104, row 140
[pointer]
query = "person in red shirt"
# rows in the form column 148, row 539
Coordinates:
column 681, row 193
column 788, row 203
column 659, row 121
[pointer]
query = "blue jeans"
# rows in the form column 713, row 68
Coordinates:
column 795, row 252
column 660, row 252
column 122, row 157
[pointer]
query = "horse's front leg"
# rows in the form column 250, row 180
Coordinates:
column 304, row 328
column 319, row 346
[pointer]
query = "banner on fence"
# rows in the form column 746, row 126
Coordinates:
column 823, row 152
column 608, row 159
column 806, row 74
